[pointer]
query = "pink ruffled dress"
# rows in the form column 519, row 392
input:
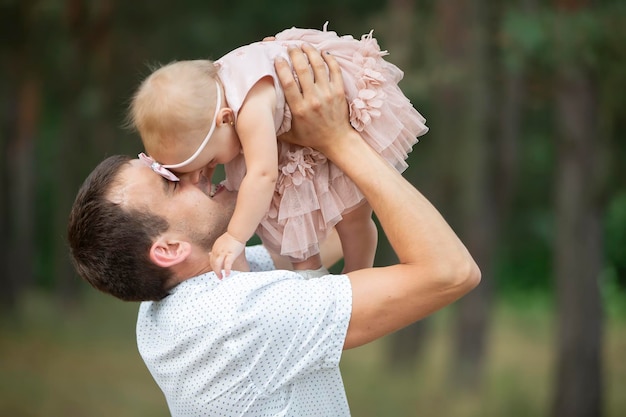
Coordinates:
column 311, row 193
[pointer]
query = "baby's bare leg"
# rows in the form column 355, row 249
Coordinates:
column 311, row 267
column 359, row 238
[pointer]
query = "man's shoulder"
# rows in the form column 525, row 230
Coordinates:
column 206, row 301
column 259, row 258
column 205, row 292
column 217, row 297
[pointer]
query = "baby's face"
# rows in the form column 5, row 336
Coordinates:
column 223, row 147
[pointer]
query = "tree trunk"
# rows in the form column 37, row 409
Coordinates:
column 450, row 104
column 401, row 32
column 477, row 210
column 578, row 251
column 22, row 106
column 8, row 295
column 22, row 190
column 406, row 344
column 86, row 134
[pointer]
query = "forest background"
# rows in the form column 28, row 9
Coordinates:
column 525, row 102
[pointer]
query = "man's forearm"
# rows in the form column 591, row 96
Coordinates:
column 416, row 230
column 435, row 267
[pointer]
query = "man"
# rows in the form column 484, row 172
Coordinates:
column 267, row 342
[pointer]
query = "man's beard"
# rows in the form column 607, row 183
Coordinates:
column 206, row 240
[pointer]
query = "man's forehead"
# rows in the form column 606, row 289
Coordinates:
column 136, row 183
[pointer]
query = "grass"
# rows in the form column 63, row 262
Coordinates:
column 84, row 362
column 73, row 364
column 519, row 371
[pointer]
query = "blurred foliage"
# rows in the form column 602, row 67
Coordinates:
column 549, row 38
column 537, row 43
column 615, row 235
column 89, row 56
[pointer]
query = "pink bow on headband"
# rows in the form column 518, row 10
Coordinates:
column 158, row 168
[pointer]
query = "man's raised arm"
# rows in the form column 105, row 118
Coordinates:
column 435, row 268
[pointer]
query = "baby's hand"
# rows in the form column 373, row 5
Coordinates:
column 225, row 250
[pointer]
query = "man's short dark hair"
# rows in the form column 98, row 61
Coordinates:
column 110, row 244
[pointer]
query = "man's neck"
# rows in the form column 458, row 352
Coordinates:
column 241, row 263
column 192, row 269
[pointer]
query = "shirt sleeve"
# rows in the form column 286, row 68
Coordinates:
column 259, row 258
column 289, row 328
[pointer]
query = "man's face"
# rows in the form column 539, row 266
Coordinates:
column 189, row 208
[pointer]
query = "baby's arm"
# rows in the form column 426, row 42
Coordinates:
column 255, row 127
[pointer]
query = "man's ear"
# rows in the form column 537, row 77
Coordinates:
column 169, row 252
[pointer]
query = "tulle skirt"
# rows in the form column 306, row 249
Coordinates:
column 311, row 193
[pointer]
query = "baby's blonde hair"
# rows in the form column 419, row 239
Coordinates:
column 173, row 104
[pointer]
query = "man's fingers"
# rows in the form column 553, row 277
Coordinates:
column 312, row 71
column 290, row 86
column 302, row 68
column 334, row 73
column 316, row 62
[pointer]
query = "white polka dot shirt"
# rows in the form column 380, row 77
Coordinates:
column 262, row 343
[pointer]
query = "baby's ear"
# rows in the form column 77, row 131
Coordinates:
column 226, row 116
column 169, row 252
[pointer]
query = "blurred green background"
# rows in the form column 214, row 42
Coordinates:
column 525, row 102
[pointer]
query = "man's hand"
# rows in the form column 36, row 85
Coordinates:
column 316, row 99
column 225, row 250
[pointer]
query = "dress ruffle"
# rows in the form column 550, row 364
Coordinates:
column 312, row 194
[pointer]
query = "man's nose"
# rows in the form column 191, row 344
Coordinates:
column 195, row 176
column 192, row 177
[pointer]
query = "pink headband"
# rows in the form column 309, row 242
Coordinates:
column 163, row 170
